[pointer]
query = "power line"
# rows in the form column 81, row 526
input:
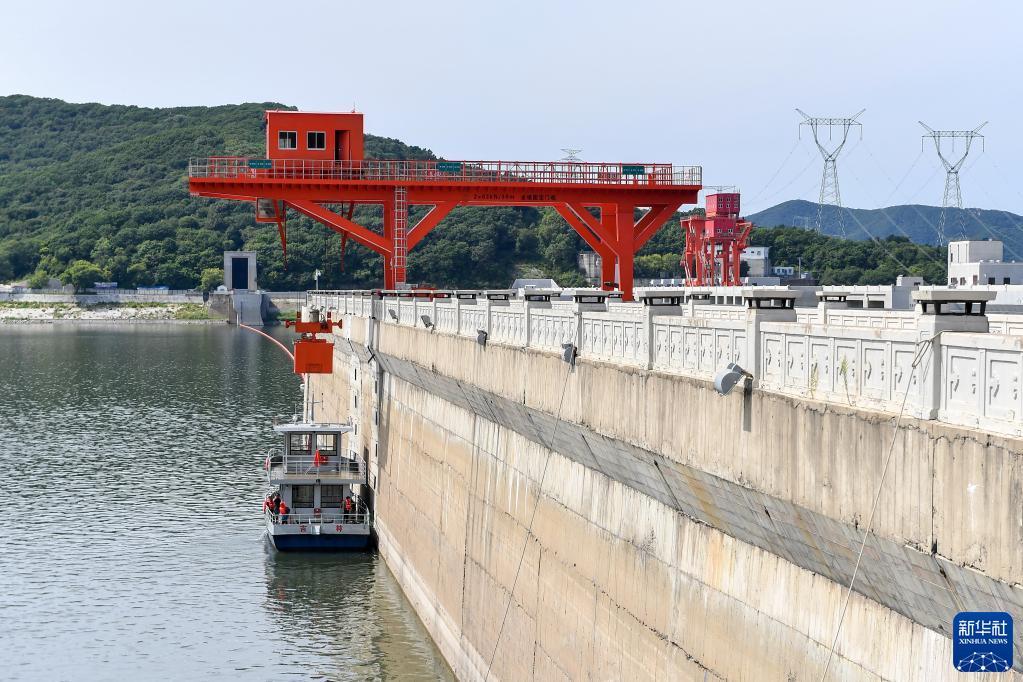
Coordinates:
column 789, row 183
column 891, row 220
column 961, row 212
column 904, row 177
column 776, row 173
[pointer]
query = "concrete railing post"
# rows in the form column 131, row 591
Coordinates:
column 526, row 307
column 578, row 332
column 755, row 317
column 933, row 308
column 648, row 335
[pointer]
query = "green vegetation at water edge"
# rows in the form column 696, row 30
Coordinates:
column 192, row 311
column 91, row 192
column 24, row 305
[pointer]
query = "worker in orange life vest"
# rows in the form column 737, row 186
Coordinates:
column 283, row 512
column 318, row 459
column 349, row 508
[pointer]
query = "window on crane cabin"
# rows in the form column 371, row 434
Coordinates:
column 316, row 140
column 287, row 139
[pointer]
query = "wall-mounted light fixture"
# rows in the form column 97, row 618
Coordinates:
column 569, row 353
column 727, row 378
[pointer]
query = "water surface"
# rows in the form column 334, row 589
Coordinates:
column 134, row 547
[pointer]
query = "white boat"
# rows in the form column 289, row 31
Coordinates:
column 319, row 483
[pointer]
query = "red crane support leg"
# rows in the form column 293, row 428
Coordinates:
column 626, row 249
column 609, row 266
column 594, row 234
column 389, row 236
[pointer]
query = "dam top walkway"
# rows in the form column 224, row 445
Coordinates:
column 963, row 370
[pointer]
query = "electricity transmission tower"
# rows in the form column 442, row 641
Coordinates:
column 830, row 196
column 953, row 197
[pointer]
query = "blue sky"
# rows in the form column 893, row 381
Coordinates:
column 709, row 83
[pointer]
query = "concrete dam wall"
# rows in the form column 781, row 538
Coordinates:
column 605, row 521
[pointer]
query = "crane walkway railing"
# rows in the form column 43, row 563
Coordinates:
column 432, row 171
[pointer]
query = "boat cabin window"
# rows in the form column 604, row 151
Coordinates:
column 326, row 442
column 302, row 496
column 331, row 495
column 299, row 442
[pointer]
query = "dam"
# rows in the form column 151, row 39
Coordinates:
column 562, row 494
column 564, row 489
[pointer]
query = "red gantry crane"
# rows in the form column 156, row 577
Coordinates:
column 315, row 165
column 714, row 242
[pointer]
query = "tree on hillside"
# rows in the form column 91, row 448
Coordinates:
column 82, row 274
column 38, row 280
column 211, row 278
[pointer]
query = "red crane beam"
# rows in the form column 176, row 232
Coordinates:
column 329, row 170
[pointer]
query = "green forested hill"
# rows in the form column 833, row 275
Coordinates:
column 913, row 221
column 107, row 184
column 847, row 261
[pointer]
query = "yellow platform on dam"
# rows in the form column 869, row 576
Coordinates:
column 678, row 534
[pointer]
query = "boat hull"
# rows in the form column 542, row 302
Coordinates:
column 319, row 543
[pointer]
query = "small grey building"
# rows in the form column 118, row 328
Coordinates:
column 240, row 270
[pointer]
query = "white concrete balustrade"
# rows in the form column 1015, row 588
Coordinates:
column 859, row 358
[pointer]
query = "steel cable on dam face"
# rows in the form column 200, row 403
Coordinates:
column 921, row 351
column 539, row 492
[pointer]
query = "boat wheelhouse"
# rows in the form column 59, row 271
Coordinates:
column 320, row 483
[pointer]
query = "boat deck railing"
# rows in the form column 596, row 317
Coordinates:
column 281, row 466
column 360, row 516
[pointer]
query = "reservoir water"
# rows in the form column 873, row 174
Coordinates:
column 134, row 547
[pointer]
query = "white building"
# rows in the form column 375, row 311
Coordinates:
column 758, row 259
column 972, row 263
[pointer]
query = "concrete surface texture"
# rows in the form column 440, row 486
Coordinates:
column 676, row 535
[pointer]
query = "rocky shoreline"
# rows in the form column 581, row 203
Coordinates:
column 189, row 313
